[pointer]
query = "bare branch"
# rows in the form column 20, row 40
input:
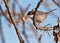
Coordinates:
column 20, row 7
column 58, row 4
column 39, row 3
column 13, row 22
column 5, row 14
column 1, row 31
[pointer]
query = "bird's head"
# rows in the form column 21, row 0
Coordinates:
column 30, row 14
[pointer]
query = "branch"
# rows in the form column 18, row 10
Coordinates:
column 46, row 28
column 39, row 3
column 1, row 31
column 5, row 14
column 58, row 4
column 20, row 7
column 13, row 22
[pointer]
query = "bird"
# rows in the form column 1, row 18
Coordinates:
column 40, row 16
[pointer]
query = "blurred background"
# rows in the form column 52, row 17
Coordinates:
column 19, row 9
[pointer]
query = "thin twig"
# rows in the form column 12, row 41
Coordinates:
column 39, row 3
column 20, row 7
column 1, row 31
column 58, row 4
column 5, row 14
column 13, row 22
column 24, row 32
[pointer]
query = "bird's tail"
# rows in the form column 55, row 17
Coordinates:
column 52, row 10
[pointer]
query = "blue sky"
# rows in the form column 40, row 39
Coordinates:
column 10, row 34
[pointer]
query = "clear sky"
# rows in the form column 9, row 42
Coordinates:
column 10, row 34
